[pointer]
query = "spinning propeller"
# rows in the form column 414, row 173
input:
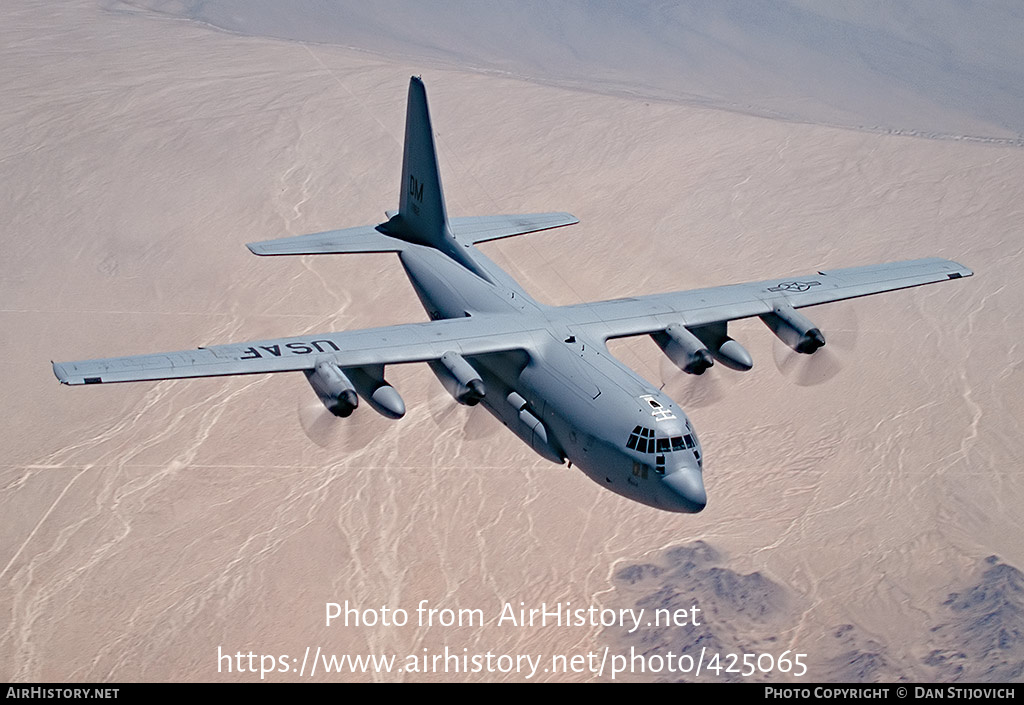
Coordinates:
column 840, row 331
column 328, row 431
column 690, row 390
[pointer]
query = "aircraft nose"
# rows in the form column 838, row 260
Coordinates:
column 687, row 484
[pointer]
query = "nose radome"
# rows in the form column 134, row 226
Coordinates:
column 687, row 483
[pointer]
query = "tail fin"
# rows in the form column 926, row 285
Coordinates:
column 421, row 205
column 422, row 217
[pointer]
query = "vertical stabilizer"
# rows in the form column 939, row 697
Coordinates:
column 421, row 217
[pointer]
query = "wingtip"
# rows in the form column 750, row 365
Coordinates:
column 960, row 270
column 59, row 373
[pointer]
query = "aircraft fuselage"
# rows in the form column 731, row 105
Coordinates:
column 567, row 397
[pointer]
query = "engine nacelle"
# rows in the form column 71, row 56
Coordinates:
column 381, row 396
column 793, row 329
column 459, row 377
column 684, row 349
column 334, row 388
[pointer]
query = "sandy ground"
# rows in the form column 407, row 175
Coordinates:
column 146, row 526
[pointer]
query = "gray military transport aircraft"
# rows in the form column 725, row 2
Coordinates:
column 544, row 371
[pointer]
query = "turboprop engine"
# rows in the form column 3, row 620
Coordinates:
column 335, row 389
column 459, row 377
column 794, row 329
column 684, row 349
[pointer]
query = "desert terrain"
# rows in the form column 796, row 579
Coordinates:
column 870, row 521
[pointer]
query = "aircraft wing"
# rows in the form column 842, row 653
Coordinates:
column 409, row 342
column 419, row 342
column 493, row 227
column 650, row 314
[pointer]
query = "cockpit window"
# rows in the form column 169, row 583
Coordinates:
column 644, row 440
column 634, row 439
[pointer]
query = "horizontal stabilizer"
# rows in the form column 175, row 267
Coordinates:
column 369, row 238
column 362, row 239
column 494, row 227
